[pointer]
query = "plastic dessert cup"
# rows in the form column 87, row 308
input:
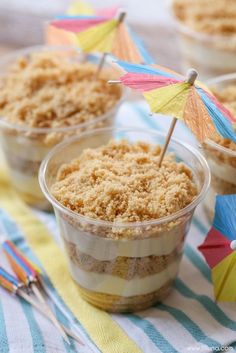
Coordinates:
column 221, row 160
column 23, row 147
column 211, row 55
column 133, row 272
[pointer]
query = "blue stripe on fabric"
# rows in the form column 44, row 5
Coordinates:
column 36, row 335
column 189, row 325
column 198, row 224
column 207, row 303
column 62, row 319
column 15, row 235
column 4, row 346
column 155, row 336
column 197, row 261
column 75, row 321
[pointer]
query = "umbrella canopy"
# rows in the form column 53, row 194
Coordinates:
column 8, row 281
column 77, row 10
column 170, row 93
column 24, row 270
column 106, row 35
column 219, row 248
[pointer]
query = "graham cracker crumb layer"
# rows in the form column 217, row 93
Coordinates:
column 122, row 266
column 51, row 90
column 122, row 182
column 213, row 17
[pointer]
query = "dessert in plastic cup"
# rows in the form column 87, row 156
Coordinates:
column 221, row 154
column 207, row 35
column 122, row 219
column 48, row 94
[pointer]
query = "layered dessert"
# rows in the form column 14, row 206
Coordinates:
column 121, row 256
column 46, row 97
column 207, row 32
column 221, row 155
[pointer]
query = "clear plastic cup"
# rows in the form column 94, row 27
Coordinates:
column 211, row 55
column 221, row 160
column 137, row 269
column 25, row 147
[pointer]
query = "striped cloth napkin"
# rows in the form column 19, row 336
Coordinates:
column 189, row 320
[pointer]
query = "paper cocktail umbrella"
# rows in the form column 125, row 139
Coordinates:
column 13, row 285
column 102, row 35
column 24, row 270
column 28, row 274
column 9, row 282
column 219, row 248
column 78, row 9
column 183, row 98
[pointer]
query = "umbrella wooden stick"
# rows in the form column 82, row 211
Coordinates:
column 40, row 308
column 120, row 19
column 47, row 292
column 167, row 140
column 100, row 65
column 48, row 310
column 28, row 275
column 191, row 77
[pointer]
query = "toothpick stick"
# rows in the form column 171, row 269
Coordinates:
column 168, row 137
column 114, row 82
column 49, row 294
column 120, row 19
column 48, row 310
column 100, row 66
column 37, row 305
column 191, row 77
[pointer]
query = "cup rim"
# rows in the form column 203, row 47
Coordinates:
column 37, row 130
column 214, row 81
column 98, row 222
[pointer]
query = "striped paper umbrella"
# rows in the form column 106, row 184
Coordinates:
column 13, row 285
column 170, row 93
column 76, row 10
column 22, row 267
column 104, row 35
column 219, row 248
column 9, row 282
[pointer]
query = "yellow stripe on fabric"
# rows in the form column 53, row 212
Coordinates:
column 103, row 330
column 223, row 278
column 99, row 38
column 169, row 100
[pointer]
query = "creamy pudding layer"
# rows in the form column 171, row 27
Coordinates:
column 113, row 285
